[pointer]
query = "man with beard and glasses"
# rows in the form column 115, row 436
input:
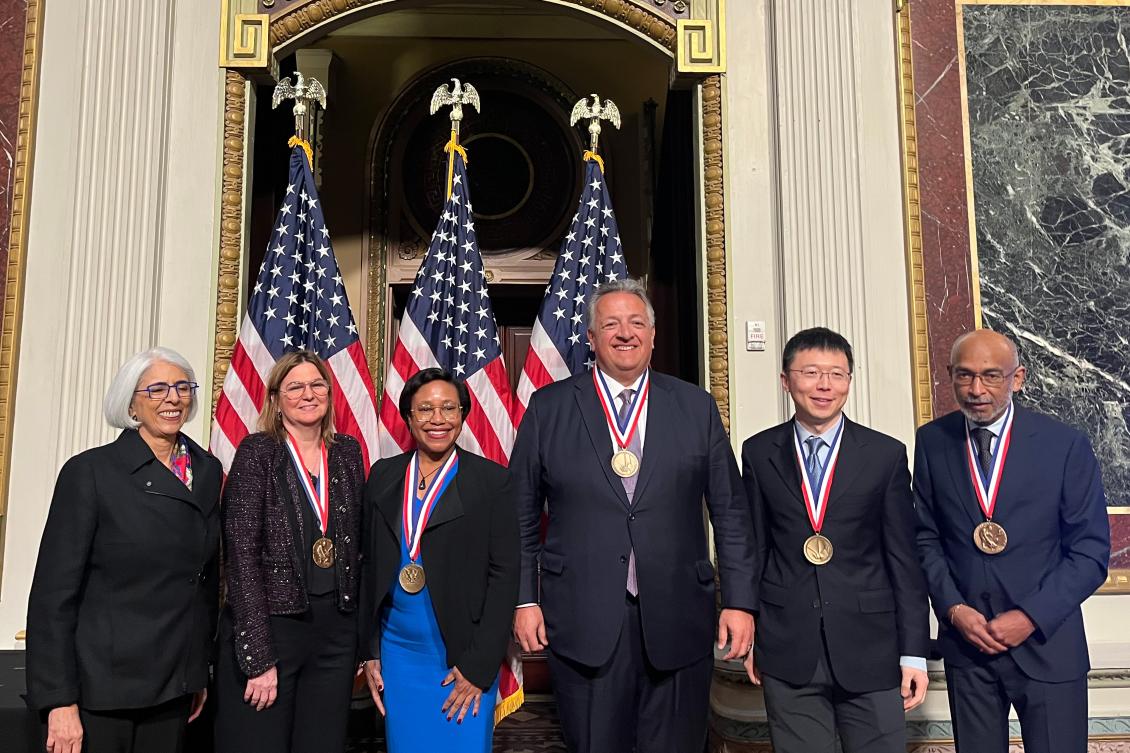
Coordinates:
column 1013, row 536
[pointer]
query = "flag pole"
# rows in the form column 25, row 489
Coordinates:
column 460, row 94
column 305, row 93
column 598, row 111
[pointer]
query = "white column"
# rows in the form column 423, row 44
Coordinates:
column 121, row 235
column 842, row 254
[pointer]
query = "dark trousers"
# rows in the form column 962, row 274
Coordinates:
column 628, row 705
column 805, row 718
column 317, row 659
column 1053, row 715
column 156, row 728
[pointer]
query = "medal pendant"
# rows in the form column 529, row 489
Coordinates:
column 990, row 537
column 412, row 578
column 323, row 553
column 818, row 549
column 625, row 464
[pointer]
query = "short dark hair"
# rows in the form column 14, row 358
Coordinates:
column 434, row 374
column 816, row 338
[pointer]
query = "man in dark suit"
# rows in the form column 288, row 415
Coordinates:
column 843, row 625
column 1013, row 536
column 622, row 458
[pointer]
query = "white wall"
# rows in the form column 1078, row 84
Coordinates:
column 814, row 213
column 122, row 235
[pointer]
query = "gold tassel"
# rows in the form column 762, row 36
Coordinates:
column 590, row 155
column 295, row 141
column 450, row 148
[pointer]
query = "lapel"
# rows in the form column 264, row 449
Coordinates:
column 286, row 486
column 390, row 492
column 851, row 460
column 450, row 504
column 957, row 460
column 1024, row 429
column 661, row 423
column 205, row 486
column 151, row 475
column 597, row 425
column 784, row 459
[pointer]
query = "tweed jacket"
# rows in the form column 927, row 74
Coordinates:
column 262, row 524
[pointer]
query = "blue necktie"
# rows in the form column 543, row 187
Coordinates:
column 812, row 464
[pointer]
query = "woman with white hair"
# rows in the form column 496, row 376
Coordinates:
column 124, row 600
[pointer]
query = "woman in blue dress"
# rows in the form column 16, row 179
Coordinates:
column 439, row 579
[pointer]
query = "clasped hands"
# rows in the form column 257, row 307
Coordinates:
column 464, row 696
column 1006, row 630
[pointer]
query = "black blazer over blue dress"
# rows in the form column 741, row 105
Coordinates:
column 469, row 550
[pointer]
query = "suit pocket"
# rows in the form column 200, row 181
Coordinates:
column 879, row 600
column 705, row 571
column 774, row 594
column 552, row 563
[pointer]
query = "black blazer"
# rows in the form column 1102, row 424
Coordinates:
column 470, row 555
column 1052, row 506
column 561, row 457
column 123, row 605
column 871, row 596
column 264, row 559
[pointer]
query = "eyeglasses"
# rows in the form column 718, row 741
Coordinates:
column 160, row 390
column 424, row 413
column 295, row 390
column 835, row 376
column 992, row 378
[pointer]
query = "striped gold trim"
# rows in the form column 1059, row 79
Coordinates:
column 912, row 209
column 17, row 244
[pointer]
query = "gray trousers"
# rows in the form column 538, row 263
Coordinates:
column 805, row 718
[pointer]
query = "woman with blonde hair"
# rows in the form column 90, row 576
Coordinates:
column 291, row 521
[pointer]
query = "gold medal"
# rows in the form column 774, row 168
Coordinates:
column 412, row 578
column 818, row 549
column 990, row 537
column 323, row 553
column 625, row 463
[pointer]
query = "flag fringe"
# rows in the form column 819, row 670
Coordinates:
column 508, row 706
column 591, row 155
column 450, row 148
column 295, row 141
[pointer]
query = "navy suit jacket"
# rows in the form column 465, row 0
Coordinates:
column 870, row 599
column 1052, row 506
column 561, row 457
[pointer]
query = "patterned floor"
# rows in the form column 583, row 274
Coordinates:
column 531, row 729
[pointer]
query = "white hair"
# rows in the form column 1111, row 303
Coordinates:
column 115, row 406
column 627, row 285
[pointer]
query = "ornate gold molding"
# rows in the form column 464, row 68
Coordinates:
column 231, row 227
column 717, row 287
column 702, row 38
column 912, row 210
column 17, row 242
column 243, row 36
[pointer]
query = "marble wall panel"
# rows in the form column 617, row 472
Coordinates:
column 1049, row 123
column 942, row 186
column 13, row 14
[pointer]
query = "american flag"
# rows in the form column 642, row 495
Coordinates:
column 448, row 322
column 590, row 255
column 298, row 302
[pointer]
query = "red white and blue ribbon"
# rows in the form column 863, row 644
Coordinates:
column 986, row 488
column 623, row 432
column 411, row 484
column 319, row 499
column 816, row 500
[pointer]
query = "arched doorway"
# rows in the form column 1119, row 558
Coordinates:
column 255, row 34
